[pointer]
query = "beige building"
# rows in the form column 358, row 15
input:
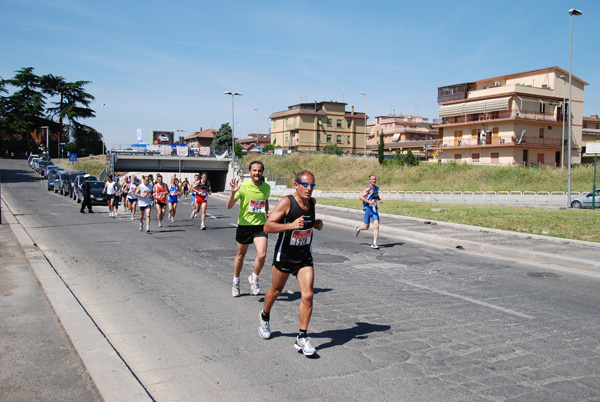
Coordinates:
column 312, row 126
column 511, row 119
column 591, row 133
column 401, row 133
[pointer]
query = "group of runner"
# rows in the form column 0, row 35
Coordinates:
column 293, row 220
column 145, row 193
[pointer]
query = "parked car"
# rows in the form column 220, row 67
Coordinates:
column 49, row 171
column 35, row 161
column 70, row 190
column 77, row 187
column 52, row 175
column 31, row 157
column 96, row 192
column 585, row 201
column 60, row 178
column 42, row 165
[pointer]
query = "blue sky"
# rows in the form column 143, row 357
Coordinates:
column 164, row 65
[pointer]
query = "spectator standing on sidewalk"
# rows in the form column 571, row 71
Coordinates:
column 369, row 197
column 253, row 195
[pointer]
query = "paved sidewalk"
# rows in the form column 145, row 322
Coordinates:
column 37, row 360
column 50, row 349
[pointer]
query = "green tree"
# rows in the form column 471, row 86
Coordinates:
column 86, row 141
column 399, row 158
column 332, row 149
column 25, row 105
column 268, row 148
column 222, row 137
column 410, row 159
column 73, row 101
column 239, row 150
column 380, row 149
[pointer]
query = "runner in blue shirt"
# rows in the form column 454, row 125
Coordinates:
column 369, row 197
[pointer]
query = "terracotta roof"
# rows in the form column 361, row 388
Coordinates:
column 208, row 133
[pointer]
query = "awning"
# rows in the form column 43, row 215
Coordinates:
column 482, row 106
column 396, row 138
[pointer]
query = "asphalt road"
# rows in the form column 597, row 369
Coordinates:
column 406, row 322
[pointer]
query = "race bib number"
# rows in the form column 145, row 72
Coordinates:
column 201, row 193
column 257, row 206
column 301, row 237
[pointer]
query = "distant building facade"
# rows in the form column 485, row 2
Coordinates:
column 591, row 133
column 255, row 141
column 401, row 133
column 202, row 138
column 511, row 119
column 312, row 126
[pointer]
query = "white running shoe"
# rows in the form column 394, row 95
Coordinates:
column 202, row 227
column 147, row 229
column 356, row 231
column 374, row 245
column 159, row 224
column 193, row 215
column 254, row 288
column 264, row 329
column 304, row 345
column 131, row 217
column 235, row 289
column 141, row 226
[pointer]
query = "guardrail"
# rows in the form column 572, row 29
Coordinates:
column 539, row 199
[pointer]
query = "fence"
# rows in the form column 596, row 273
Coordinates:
column 538, row 199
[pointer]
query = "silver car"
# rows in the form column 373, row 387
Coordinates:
column 585, row 201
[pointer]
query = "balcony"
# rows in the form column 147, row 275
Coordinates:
column 505, row 114
column 501, row 142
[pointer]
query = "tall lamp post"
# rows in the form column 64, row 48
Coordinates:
column 562, row 146
column 233, row 95
column 365, row 95
column 572, row 12
column 103, row 135
column 256, row 128
column 178, row 134
column 47, row 139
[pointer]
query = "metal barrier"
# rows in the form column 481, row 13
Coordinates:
column 539, row 199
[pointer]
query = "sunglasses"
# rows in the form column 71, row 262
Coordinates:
column 305, row 184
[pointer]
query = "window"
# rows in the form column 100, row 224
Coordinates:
column 329, row 138
column 349, row 123
column 274, row 123
column 318, row 137
column 542, row 107
column 339, row 138
column 475, row 158
column 495, row 157
column 319, row 121
column 541, row 133
column 457, row 158
column 329, row 123
column 295, row 122
column 348, row 139
column 339, row 123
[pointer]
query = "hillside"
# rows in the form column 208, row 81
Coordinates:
column 351, row 172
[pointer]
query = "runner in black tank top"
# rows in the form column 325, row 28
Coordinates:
column 294, row 220
column 293, row 249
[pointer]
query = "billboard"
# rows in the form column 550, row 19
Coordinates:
column 162, row 137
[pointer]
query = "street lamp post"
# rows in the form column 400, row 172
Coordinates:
column 572, row 12
column 178, row 134
column 256, row 129
column 103, row 135
column 233, row 95
column 365, row 95
column 47, row 139
column 562, row 146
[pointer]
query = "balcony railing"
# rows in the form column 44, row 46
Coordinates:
column 505, row 114
column 527, row 140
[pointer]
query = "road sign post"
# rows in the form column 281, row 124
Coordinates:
column 72, row 159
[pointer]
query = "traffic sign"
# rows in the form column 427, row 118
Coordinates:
column 592, row 148
column 72, row 157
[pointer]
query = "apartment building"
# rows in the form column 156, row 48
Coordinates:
column 402, row 132
column 591, row 133
column 511, row 119
column 312, row 126
column 202, row 138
